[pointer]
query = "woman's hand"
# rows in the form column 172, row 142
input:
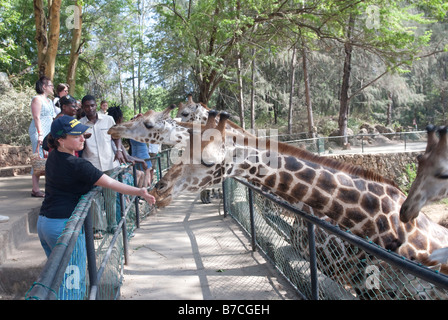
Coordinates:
column 149, row 198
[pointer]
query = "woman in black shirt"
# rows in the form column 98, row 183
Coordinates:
column 68, row 177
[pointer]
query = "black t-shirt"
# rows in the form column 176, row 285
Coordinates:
column 67, row 178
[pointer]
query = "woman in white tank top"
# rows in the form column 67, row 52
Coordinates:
column 42, row 111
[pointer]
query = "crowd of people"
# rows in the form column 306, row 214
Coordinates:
column 81, row 155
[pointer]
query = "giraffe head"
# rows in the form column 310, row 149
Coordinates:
column 192, row 111
column 199, row 166
column 152, row 127
column 431, row 183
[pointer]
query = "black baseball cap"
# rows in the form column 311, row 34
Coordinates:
column 67, row 125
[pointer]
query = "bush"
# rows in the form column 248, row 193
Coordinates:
column 15, row 116
column 408, row 177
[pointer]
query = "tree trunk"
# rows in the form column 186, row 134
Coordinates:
column 41, row 35
column 75, row 49
column 240, row 90
column 53, row 38
column 291, row 88
column 309, row 106
column 344, row 98
column 389, row 109
column 252, row 93
column 139, row 80
column 47, row 44
column 133, row 80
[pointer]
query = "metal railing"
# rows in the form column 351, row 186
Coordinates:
column 71, row 271
column 321, row 260
column 361, row 143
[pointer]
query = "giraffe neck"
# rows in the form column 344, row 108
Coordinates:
column 354, row 198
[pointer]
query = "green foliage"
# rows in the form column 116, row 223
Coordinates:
column 151, row 54
column 408, row 177
column 15, row 116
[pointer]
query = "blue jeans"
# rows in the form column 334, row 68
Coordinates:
column 73, row 286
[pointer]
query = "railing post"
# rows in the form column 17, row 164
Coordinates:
column 224, row 197
column 136, row 200
column 91, row 257
column 313, row 261
column 159, row 165
column 124, row 230
column 405, row 140
column 362, row 143
column 252, row 220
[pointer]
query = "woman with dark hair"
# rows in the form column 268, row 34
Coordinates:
column 42, row 111
column 69, row 106
column 61, row 91
column 68, row 178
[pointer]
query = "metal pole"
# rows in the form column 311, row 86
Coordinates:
column 405, row 136
column 136, row 200
column 124, row 230
column 224, row 197
column 252, row 221
column 362, row 143
column 159, row 164
column 90, row 249
column 313, row 261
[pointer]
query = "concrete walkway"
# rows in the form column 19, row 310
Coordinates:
column 189, row 251
column 21, row 255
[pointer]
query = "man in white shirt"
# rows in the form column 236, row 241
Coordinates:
column 98, row 150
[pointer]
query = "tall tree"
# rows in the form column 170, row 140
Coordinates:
column 76, row 45
column 47, row 35
column 345, row 86
column 291, row 88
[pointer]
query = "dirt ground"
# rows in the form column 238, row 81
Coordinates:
column 438, row 212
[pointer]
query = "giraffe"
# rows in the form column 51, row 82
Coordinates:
column 153, row 127
column 361, row 201
column 192, row 111
column 198, row 112
column 431, row 183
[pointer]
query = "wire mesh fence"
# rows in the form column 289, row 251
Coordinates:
column 322, row 261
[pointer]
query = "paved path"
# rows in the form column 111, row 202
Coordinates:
column 189, row 251
column 21, row 255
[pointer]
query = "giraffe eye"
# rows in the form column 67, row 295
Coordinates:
column 185, row 114
column 442, row 176
column 148, row 125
